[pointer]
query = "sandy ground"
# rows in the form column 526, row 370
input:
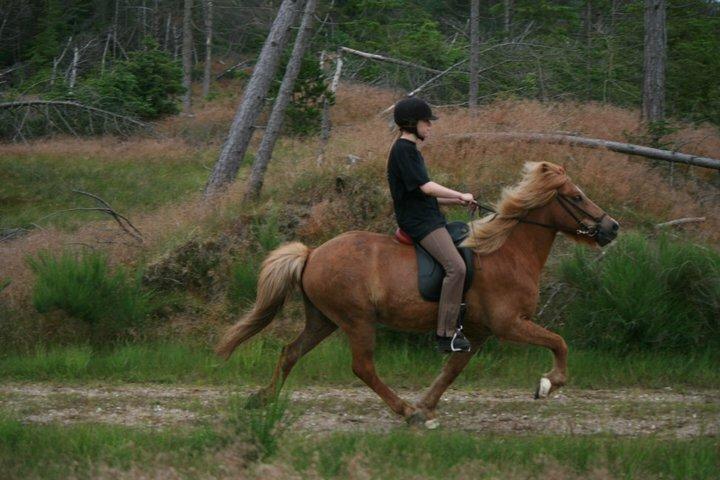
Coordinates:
column 323, row 410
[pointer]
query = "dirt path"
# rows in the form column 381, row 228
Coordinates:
column 328, row 409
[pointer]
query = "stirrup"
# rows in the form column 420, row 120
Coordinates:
column 464, row 344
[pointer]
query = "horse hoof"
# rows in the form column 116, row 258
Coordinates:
column 432, row 424
column 543, row 389
column 417, row 419
column 255, row 401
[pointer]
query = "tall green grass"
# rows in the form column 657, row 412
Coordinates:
column 403, row 365
column 645, row 294
column 84, row 287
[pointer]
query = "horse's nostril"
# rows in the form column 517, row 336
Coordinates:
column 616, row 226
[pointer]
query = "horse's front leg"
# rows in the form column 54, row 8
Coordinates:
column 523, row 330
column 452, row 368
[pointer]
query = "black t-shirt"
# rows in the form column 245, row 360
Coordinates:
column 416, row 213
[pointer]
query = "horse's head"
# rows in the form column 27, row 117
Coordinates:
column 579, row 217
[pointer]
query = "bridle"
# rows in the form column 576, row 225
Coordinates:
column 572, row 209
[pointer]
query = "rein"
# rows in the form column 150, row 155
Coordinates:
column 583, row 229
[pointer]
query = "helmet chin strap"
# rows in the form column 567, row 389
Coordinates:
column 415, row 132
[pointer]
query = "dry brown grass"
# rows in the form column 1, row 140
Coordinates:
column 630, row 188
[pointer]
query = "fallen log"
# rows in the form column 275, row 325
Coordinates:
column 620, row 147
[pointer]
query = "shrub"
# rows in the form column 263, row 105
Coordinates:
column 145, row 85
column 83, row 286
column 659, row 295
column 243, row 281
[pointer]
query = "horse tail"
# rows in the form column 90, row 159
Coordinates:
column 281, row 271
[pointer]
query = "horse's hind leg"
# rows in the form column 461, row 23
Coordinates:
column 455, row 364
column 317, row 328
column 361, row 333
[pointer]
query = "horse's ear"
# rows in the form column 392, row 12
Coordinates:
column 561, row 170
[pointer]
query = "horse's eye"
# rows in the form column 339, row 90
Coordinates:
column 577, row 198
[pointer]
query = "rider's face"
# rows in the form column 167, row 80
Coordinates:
column 424, row 127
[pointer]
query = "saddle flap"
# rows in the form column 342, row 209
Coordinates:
column 431, row 273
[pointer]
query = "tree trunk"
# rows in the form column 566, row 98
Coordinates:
column 653, row 104
column 474, row 54
column 262, row 158
column 187, row 55
column 242, row 127
column 508, row 17
column 73, row 70
column 208, row 46
column 326, row 123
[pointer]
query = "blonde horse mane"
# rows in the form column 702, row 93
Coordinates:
column 538, row 186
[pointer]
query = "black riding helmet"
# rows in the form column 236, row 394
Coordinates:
column 409, row 111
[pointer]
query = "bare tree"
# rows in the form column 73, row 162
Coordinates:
column 653, row 102
column 474, row 54
column 507, row 4
column 242, row 127
column 284, row 96
column 187, row 54
column 208, row 46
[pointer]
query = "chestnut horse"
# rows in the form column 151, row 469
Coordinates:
column 360, row 278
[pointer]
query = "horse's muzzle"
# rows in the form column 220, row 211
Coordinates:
column 607, row 230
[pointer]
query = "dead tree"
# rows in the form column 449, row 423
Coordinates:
column 573, row 140
column 474, row 54
column 242, row 128
column 326, row 124
column 653, row 100
column 208, row 46
column 262, row 158
column 187, row 55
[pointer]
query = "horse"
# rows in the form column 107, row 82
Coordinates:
column 346, row 282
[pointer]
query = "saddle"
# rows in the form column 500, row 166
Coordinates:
column 430, row 272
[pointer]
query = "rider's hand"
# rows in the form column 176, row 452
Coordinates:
column 466, row 198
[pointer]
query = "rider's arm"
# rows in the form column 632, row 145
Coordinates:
column 437, row 190
column 448, row 201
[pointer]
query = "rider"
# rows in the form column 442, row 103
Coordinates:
column 415, row 201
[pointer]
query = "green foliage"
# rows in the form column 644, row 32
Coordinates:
column 83, row 287
column 145, row 85
column 304, row 111
column 657, row 295
column 243, row 281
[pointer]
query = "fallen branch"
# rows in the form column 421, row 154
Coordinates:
column 70, row 103
column 628, row 148
column 680, row 221
column 375, row 56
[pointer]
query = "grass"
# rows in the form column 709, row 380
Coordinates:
column 404, row 454
column 56, row 451
column 497, row 365
column 35, row 186
column 98, row 450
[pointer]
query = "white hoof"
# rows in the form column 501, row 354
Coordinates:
column 544, row 388
column 432, row 424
